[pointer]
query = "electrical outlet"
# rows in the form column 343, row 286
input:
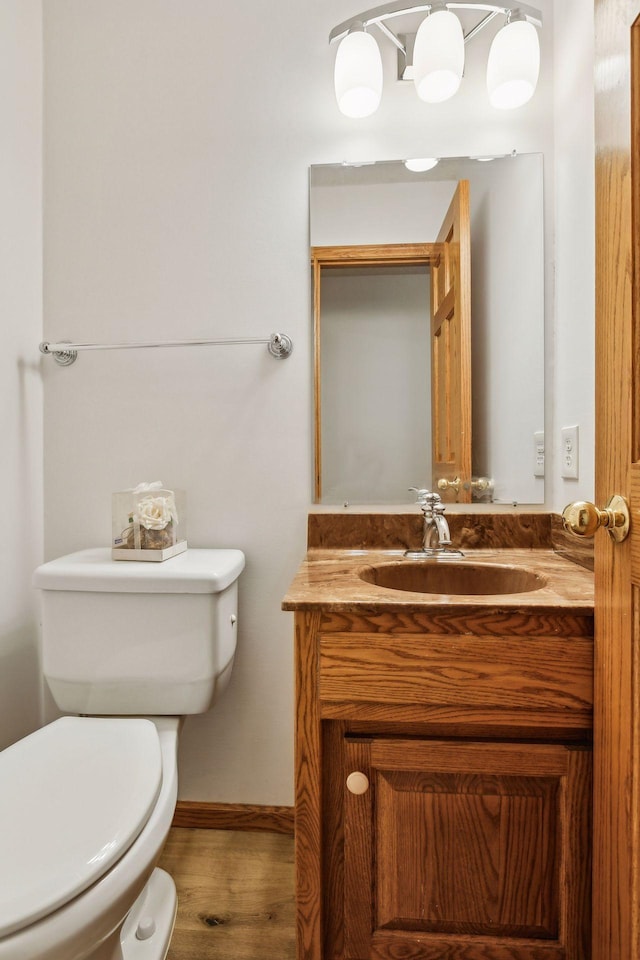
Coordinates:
column 569, row 453
column 538, row 453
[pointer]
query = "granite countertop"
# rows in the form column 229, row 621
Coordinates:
column 328, row 579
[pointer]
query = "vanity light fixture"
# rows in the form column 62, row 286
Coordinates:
column 434, row 56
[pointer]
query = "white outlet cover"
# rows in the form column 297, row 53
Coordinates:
column 569, row 453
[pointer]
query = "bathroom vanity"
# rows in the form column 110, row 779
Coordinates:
column 443, row 761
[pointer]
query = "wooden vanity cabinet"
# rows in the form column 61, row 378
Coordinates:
column 468, row 834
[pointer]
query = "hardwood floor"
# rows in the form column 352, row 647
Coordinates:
column 235, row 894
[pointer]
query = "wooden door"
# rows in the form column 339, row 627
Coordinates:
column 467, row 851
column 616, row 840
column 451, row 348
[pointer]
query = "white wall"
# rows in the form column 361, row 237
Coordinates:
column 507, row 310
column 178, row 138
column 574, row 328
column 20, row 388
column 355, row 213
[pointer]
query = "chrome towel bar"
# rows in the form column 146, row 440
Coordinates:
column 278, row 344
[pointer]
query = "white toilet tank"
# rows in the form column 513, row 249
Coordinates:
column 139, row 637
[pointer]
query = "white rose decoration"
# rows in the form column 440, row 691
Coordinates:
column 154, row 513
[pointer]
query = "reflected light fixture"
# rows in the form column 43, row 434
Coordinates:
column 434, row 56
column 421, row 164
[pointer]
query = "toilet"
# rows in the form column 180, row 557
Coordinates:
column 87, row 801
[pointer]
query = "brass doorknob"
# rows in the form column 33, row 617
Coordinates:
column 444, row 484
column 583, row 518
column 481, row 484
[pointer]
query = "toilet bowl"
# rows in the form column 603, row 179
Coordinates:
column 87, row 801
column 94, row 799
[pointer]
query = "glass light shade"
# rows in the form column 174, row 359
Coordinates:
column 421, row 164
column 438, row 57
column 514, row 65
column 358, row 75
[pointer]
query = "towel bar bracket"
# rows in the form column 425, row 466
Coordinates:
column 280, row 345
column 64, row 357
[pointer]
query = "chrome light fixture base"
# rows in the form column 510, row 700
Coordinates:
column 400, row 8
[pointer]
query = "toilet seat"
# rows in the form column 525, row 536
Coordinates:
column 74, row 797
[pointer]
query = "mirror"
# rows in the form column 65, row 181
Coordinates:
column 376, row 234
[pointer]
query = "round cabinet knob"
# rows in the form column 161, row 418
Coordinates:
column 583, row 518
column 357, row 782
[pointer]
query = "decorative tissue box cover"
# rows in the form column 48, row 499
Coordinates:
column 148, row 523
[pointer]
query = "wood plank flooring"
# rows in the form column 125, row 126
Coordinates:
column 235, row 894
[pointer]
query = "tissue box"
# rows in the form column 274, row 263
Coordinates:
column 148, row 523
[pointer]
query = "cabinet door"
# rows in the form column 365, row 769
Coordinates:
column 467, row 851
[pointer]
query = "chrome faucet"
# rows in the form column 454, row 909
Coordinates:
column 436, row 538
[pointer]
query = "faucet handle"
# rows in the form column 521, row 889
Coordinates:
column 426, row 499
column 421, row 496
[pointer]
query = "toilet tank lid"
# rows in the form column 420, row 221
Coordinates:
column 75, row 795
column 194, row 571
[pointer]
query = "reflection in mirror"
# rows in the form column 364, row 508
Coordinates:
column 384, row 281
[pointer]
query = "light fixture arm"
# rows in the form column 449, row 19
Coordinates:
column 480, row 26
column 396, row 41
column 398, row 8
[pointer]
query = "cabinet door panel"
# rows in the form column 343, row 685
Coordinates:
column 469, row 854
column 467, row 862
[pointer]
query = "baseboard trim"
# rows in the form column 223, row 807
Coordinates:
column 233, row 816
